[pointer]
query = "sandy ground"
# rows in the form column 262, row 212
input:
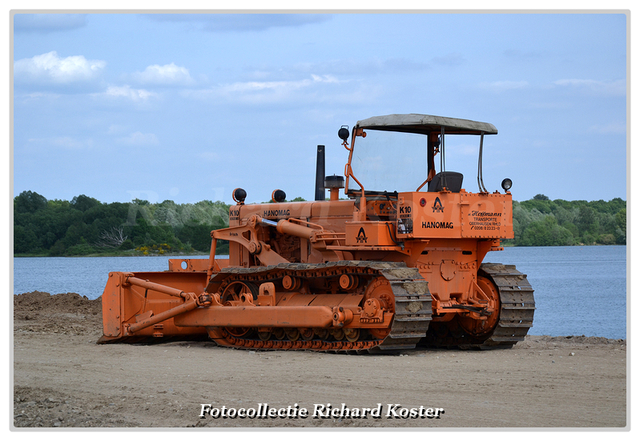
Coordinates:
column 62, row 378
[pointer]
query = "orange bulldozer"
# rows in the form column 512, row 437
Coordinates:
column 397, row 264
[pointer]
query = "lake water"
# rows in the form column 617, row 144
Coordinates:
column 578, row 290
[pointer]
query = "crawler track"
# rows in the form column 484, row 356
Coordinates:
column 517, row 304
column 411, row 308
column 517, row 307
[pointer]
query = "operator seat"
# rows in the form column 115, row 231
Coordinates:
column 449, row 179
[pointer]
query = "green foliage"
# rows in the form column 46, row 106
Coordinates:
column 545, row 233
column 543, row 222
column 85, row 226
column 29, row 202
column 83, row 203
column 81, row 249
column 24, row 240
column 126, row 245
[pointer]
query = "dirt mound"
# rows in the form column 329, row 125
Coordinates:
column 67, row 313
column 70, row 302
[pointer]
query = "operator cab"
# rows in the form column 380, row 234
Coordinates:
column 397, row 153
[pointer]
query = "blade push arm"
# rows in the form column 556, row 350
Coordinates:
column 247, row 236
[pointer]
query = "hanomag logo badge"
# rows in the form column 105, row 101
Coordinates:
column 437, row 206
column 361, row 237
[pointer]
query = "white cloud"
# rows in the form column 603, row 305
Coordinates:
column 314, row 89
column 41, row 96
column 166, row 75
column 257, row 86
column 501, row 86
column 616, row 128
column 272, row 91
column 51, row 68
column 368, row 67
column 608, row 88
column 139, row 139
column 72, row 143
column 65, row 142
column 129, row 93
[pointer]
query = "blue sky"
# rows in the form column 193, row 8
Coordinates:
column 188, row 107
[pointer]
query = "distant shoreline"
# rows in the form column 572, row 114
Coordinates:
column 197, row 253
column 125, row 254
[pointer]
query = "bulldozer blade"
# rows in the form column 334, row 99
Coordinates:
column 131, row 312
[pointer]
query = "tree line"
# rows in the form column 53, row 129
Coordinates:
column 544, row 222
column 86, row 226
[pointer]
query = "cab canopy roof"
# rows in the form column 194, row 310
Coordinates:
column 424, row 124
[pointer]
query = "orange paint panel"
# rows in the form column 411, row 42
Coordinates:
column 369, row 233
column 111, row 306
column 427, row 215
column 191, row 265
column 487, row 216
column 454, row 215
column 295, row 299
column 258, row 316
column 333, row 209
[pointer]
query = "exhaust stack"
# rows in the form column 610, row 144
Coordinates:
column 320, row 193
